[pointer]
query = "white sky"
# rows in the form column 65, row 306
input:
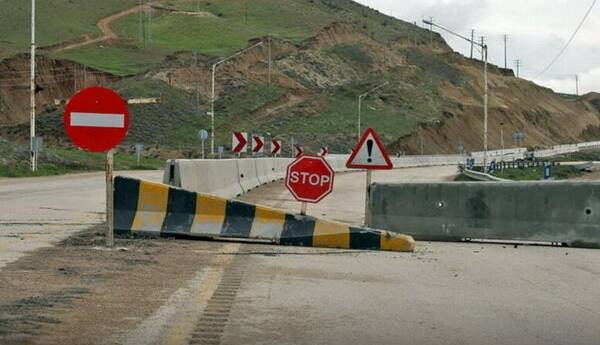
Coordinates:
column 536, row 29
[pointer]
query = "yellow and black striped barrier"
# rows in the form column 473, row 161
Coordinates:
column 146, row 207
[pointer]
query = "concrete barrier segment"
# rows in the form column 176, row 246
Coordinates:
column 158, row 209
column 560, row 212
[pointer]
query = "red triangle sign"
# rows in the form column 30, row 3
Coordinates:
column 369, row 153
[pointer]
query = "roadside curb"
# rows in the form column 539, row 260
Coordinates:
column 153, row 208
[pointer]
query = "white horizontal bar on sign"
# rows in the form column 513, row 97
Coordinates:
column 97, row 120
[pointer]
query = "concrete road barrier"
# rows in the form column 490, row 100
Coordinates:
column 247, row 173
column 215, row 176
column 558, row 212
column 158, row 209
column 264, row 170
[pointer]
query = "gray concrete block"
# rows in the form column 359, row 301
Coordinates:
column 563, row 212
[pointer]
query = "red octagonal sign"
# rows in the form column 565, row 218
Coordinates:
column 96, row 119
column 309, row 178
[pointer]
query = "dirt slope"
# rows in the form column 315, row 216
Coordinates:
column 433, row 100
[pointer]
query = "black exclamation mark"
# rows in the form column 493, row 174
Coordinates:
column 370, row 150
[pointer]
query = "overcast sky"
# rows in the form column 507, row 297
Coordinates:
column 536, row 29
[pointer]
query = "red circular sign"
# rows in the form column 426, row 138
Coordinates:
column 96, row 119
column 309, row 179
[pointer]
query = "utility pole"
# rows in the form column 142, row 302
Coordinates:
column 141, row 23
column 150, row 24
column 484, row 53
column 270, row 59
column 472, row 41
column 482, row 38
column 484, row 48
column 576, row 85
column 518, row 66
column 32, row 93
column 197, row 82
column 505, row 63
column 502, row 136
column 431, row 31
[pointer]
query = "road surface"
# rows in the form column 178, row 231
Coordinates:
column 41, row 211
column 196, row 292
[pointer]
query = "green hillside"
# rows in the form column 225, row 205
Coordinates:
column 214, row 28
column 325, row 54
column 57, row 21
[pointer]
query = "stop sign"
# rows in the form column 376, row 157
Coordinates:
column 96, row 119
column 309, row 179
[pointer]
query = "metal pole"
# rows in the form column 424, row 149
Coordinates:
column 485, row 106
column 482, row 45
column 270, row 60
column 359, row 115
column 109, row 199
column 367, row 197
column 431, row 31
column 576, row 85
column 212, row 98
column 212, row 113
column 32, row 92
column 139, row 154
column 141, row 23
column 202, row 148
column 472, row 41
column 505, row 63
column 303, row 208
column 150, row 24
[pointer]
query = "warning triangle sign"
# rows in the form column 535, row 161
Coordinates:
column 369, row 153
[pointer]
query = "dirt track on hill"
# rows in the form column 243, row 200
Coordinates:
column 104, row 25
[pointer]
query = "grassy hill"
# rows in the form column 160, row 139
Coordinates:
column 214, row 28
column 57, row 21
column 325, row 54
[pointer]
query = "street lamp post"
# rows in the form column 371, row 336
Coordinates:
column 212, row 95
column 484, row 49
column 32, row 89
column 360, row 98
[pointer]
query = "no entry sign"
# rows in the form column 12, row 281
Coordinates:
column 96, row 119
column 309, row 179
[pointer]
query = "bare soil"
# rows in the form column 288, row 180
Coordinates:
column 81, row 293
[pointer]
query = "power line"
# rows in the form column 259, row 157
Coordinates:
column 569, row 41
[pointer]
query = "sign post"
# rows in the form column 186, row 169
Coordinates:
column 203, row 135
column 138, row 152
column 97, row 119
column 369, row 154
column 110, row 239
column 547, row 171
column 309, row 179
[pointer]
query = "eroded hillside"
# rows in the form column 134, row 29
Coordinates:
column 433, row 99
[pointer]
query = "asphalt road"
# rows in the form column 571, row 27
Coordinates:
column 40, row 211
column 210, row 293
